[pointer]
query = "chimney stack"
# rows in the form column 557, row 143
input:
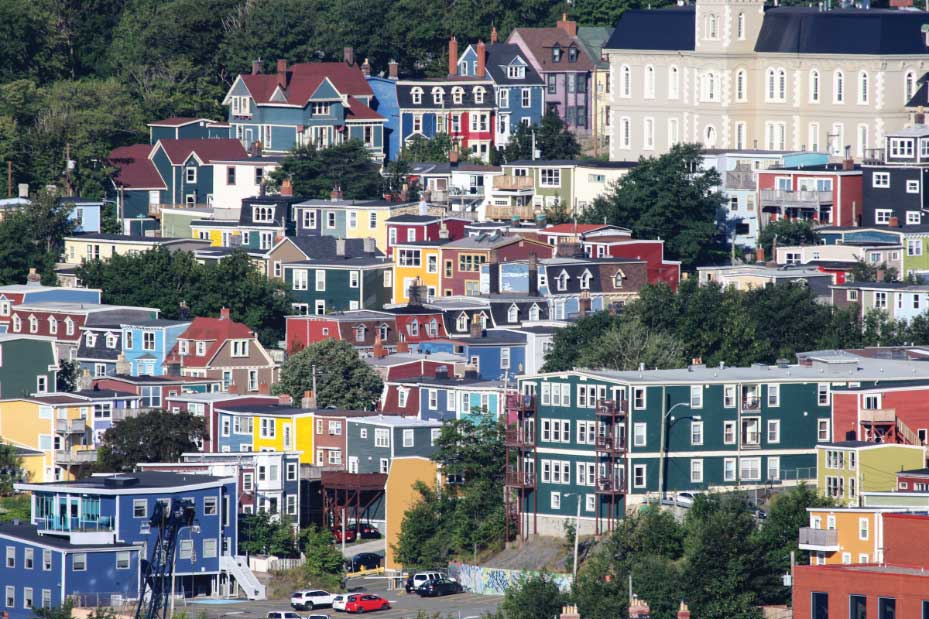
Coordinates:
column 443, row 230
column 287, row 187
column 308, row 400
column 759, row 254
column 285, row 399
column 567, row 26
column 476, row 326
column 370, row 246
column 336, row 193
column 379, row 351
column 453, row 155
column 393, row 70
column 84, row 381
column 282, row 73
column 848, row 164
column 452, row 57
column 224, row 314
column 481, row 59
column 403, row 347
column 683, row 612
column 123, row 367
column 348, row 55
column 638, row 609
column 366, row 68
column 256, row 67
column 493, row 35
column 340, row 247
column 569, row 612
column 894, row 222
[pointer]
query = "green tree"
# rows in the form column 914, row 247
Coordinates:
column 419, row 148
column 630, row 345
column 786, row 232
column 33, row 237
column 533, row 598
column 343, row 379
column 16, row 507
column 66, row 379
column 608, row 12
column 421, row 542
column 667, row 197
column 11, row 469
column 552, row 140
column 316, row 172
column 156, row 436
column 568, row 343
column 559, row 213
column 863, row 271
column 260, row 534
column 322, row 557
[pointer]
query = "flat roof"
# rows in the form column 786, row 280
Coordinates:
column 396, row 421
column 30, row 533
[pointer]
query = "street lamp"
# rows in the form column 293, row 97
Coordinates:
column 577, row 529
column 661, row 457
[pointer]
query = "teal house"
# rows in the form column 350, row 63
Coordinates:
column 28, row 364
column 613, row 440
column 320, row 103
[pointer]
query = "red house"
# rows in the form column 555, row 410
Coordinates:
column 156, row 391
column 205, row 404
column 417, row 228
column 330, row 436
column 358, row 327
column 893, row 413
column 408, row 365
column 913, row 480
column 899, row 587
column 462, row 259
column 829, row 193
column 416, row 323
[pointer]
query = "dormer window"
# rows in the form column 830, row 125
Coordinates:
column 111, row 340
column 91, row 340
column 262, row 214
column 52, row 325
column 462, row 323
column 562, row 281
column 33, row 324
column 901, row 147
column 618, row 279
column 183, row 347
column 438, row 96
column 512, row 314
column 556, row 54
column 572, row 54
column 417, row 95
column 432, row 328
column 17, row 324
column 534, row 312
column 69, row 326
column 479, row 94
column 457, row 95
column 585, row 280
column 383, row 331
column 360, row 333
column 190, row 174
column 413, row 328
column 201, row 348
column 5, row 308
column 516, row 72
column 239, row 348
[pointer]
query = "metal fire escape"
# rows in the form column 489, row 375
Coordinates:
column 611, row 462
column 157, row 581
column 520, row 441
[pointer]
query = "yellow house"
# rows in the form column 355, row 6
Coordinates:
column 844, row 535
column 55, row 429
column 400, row 495
column 846, row 469
column 104, row 246
column 219, row 232
column 286, row 430
column 417, row 262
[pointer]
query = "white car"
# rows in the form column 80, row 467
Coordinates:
column 282, row 614
column 310, row 599
column 338, row 602
column 684, row 499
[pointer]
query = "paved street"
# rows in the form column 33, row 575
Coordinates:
column 464, row 605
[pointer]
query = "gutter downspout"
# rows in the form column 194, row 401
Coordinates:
column 661, row 446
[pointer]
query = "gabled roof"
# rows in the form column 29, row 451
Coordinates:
column 540, row 42
column 206, row 150
column 358, row 111
column 179, row 121
column 324, row 247
column 215, row 332
column 501, row 55
column 134, row 170
column 303, row 79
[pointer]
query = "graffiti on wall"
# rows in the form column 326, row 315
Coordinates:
column 495, row 581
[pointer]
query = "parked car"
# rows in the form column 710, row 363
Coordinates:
column 362, row 603
column 365, row 561
column 338, row 602
column 310, row 599
column 366, row 531
column 317, row 617
column 684, row 499
column 442, row 586
column 417, row 580
column 337, row 534
column 282, row 614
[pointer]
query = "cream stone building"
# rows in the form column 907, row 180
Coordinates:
column 736, row 74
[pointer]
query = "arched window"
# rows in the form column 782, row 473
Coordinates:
column 814, row 86
column 438, row 95
column 33, row 324
column 709, row 139
column 781, row 85
column 674, row 82
column 52, row 325
column 709, row 83
column 838, row 87
column 534, row 312
column 740, row 84
column 740, row 27
column 909, row 86
column 863, row 87
column 479, row 94
column 650, row 81
column 417, row 95
column 17, row 324
column 457, row 94
column 770, row 84
column 625, row 132
column 512, row 314
column 712, row 27
column 625, row 85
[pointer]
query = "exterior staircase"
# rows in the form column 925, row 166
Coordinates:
column 905, row 434
column 237, row 567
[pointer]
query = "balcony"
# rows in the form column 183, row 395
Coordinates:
column 520, row 478
column 70, row 426
column 505, row 213
column 519, row 436
column 826, row 540
column 154, row 210
column 780, row 198
column 521, row 403
column 72, row 458
column 751, row 404
column 609, row 444
column 878, row 415
column 513, row 183
column 610, row 486
column 612, row 408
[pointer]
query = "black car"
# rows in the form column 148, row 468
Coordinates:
column 435, row 588
column 366, row 561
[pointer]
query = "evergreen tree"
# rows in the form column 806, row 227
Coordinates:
column 342, row 378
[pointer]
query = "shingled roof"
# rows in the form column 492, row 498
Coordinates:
column 134, row 170
column 303, row 79
column 207, row 150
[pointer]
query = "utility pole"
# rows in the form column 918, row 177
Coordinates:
column 9, row 178
column 68, row 168
column 577, row 534
column 314, row 382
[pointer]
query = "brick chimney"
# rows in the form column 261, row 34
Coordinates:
column 123, row 367
column 403, row 347
column 683, row 612
column 256, row 67
column 340, row 247
column 287, row 187
column 224, row 314
column 567, row 26
column 285, row 399
column 894, row 222
column 282, row 73
column 379, row 351
column 493, row 35
column 393, row 70
column 452, row 57
column 264, row 389
column 848, row 164
column 481, row 59
column 366, row 68
column 759, row 254
column 638, row 609
column 308, row 400
column 476, row 328
column 336, row 193
column 453, row 155
column 348, row 55
column 570, row 612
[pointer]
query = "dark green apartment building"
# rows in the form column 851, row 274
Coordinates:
column 321, row 286
column 612, row 440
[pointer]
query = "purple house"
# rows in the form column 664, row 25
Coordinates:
column 557, row 55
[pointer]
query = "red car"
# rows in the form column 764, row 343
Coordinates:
column 364, row 603
column 349, row 535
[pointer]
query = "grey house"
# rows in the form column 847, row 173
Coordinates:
column 373, row 442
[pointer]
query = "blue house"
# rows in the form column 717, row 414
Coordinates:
column 496, row 353
column 442, row 398
column 85, row 213
column 90, row 540
column 178, row 128
column 321, row 103
column 146, row 344
column 518, row 88
column 385, row 104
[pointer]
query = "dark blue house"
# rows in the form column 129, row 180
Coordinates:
column 385, row 104
column 496, row 353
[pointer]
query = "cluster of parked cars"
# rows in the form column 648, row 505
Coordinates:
column 432, row 584
column 354, row 531
column 316, row 598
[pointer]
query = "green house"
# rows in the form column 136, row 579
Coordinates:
column 848, row 468
column 28, row 364
column 339, row 284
